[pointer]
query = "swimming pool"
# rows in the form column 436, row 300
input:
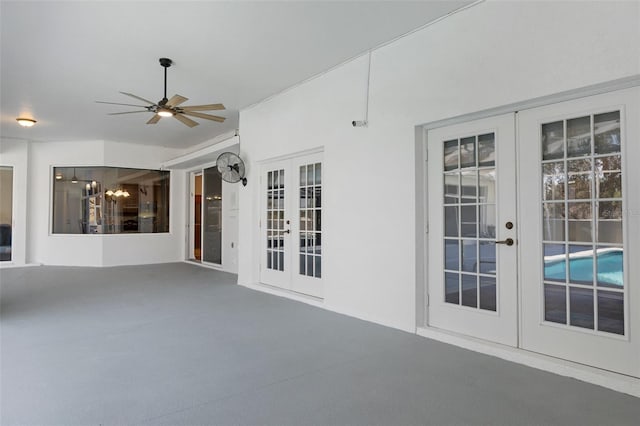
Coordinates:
column 609, row 267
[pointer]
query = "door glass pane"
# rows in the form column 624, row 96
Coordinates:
column 583, row 223
column 581, row 264
column 468, row 189
column 581, row 307
column 451, row 155
column 610, row 312
column 486, row 150
column 487, row 186
column 451, row 221
column 488, row 293
column 555, row 262
column 608, row 173
column 469, row 290
column 553, row 180
column 468, row 152
column 579, row 179
column 553, row 140
column 310, row 212
column 451, row 187
column 553, row 221
column 609, row 267
column 607, row 132
column 470, row 221
column 487, row 221
column 580, row 222
column 579, row 137
column 487, row 256
column 555, row 303
column 6, row 212
column 451, row 288
column 451, row 255
column 275, row 220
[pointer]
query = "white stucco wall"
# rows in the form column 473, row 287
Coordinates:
column 489, row 55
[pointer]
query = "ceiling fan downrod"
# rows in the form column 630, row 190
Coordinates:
column 166, row 63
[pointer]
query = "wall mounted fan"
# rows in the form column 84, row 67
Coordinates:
column 231, row 167
column 170, row 107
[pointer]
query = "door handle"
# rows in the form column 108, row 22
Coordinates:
column 508, row 241
column 287, row 231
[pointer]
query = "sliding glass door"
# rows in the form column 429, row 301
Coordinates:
column 6, row 212
column 206, row 216
column 212, row 216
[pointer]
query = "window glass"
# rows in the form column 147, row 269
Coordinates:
column 110, row 200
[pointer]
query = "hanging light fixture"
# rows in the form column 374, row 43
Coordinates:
column 165, row 112
column 26, row 122
column 74, row 179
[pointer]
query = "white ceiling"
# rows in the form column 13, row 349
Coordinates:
column 57, row 58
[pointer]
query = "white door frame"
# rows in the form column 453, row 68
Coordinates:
column 191, row 212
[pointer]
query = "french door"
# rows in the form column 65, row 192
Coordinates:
column 291, row 224
column 472, row 229
column 566, row 281
column 579, row 168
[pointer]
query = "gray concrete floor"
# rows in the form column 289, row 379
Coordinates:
column 177, row 344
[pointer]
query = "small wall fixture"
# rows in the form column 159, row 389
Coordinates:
column 26, row 122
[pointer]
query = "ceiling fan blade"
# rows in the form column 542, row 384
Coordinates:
column 127, row 112
column 139, row 98
column 186, row 121
column 154, row 119
column 114, row 103
column 205, row 116
column 208, row 107
column 176, row 100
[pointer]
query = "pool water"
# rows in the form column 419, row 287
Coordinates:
column 609, row 268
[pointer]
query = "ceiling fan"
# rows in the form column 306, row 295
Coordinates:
column 170, row 107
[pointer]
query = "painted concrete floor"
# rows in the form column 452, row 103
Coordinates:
column 177, row 344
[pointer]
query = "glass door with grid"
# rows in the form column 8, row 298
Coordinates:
column 291, row 224
column 472, row 275
column 578, row 184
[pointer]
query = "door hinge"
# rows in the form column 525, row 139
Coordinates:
column 427, row 296
column 426, row 228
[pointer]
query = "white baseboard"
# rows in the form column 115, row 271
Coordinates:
column 276, row 291
column 617, row 382
column 7, row 265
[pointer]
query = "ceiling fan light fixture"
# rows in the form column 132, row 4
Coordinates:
column 26, row 122
column 165, row 112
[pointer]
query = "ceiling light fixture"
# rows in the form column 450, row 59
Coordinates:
column 74, row 179
column 26, row 122
column 58, row 176
column 165, row 112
